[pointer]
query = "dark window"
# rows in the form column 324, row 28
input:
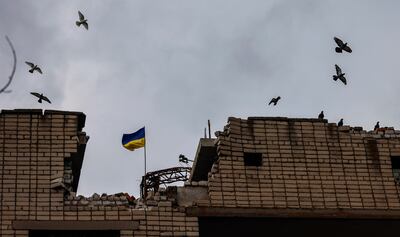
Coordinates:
column 252, row 159
column 396, row 168
column 297, row 227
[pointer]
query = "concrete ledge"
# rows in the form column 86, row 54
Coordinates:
column 75, row 225
column 292, row 213
column 288, row 119
column 22, row 111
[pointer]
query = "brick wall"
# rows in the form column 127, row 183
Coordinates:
column 34, row 150
column 307, row 163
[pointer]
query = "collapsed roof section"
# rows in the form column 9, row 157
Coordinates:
column 206, row 155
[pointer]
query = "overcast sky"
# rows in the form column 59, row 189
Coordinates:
column 171, row 65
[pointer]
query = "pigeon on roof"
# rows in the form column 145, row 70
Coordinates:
column 41, row 97
column 82, row 21
column 340, row 123
column 376, row 126
column 219, row 133
column 34, row 67
column 341, row 46
column 274, row 100
column 339, row 75
column 321, row 115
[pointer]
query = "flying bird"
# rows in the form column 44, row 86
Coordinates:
column 41, row 97
column 82, row 21
column 321, row 115
column 340, row 123
column 274, row 100
column 341, row 46
column 339, row 75
column 34, row 67
column 376, row 126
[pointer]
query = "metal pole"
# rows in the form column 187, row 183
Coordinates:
column 209, row 129
column 145, row 171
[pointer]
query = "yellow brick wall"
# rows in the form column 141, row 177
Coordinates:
column 307, row 163
column 33, row 148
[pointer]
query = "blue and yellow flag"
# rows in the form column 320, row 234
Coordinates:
column 134, row 140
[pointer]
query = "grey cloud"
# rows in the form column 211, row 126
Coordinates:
column 171, row 65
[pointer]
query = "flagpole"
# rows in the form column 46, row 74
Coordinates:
column 145, row 171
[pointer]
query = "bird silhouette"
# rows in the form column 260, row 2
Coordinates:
column 82, row 21
column 339, row 75
column 341, row 46
column 274, row 100
column 340, row 123
column 321, row 115
column 183, row 159
column 34, row 67
column 376, row 126
column 41, row 97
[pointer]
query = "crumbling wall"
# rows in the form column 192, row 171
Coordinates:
column 36, row 181
column 306, row 163
column 158, row 215
column 33, row 148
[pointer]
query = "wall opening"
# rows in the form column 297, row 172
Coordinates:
column 296, row 227
column 252, row 159
column 396, row 167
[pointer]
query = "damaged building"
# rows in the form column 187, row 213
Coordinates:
column 260, row 176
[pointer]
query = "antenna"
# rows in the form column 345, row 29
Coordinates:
column 209, row 129
column 205, row 132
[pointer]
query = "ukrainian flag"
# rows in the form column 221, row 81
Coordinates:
column 134, row 140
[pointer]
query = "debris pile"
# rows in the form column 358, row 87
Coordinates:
column 118, row 199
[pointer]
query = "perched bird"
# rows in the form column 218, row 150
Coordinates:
column 41, row 97
column 274, row 100
column 34, row 68
column 340, row 123
column 82, row 21
column 376, row 126
column 183, row 159
column 339, row 75
column 341, row 46
column 219, row 133
column 321, row 115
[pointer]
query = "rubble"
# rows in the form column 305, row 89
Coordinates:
column 309, row 168
column 118, row 199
